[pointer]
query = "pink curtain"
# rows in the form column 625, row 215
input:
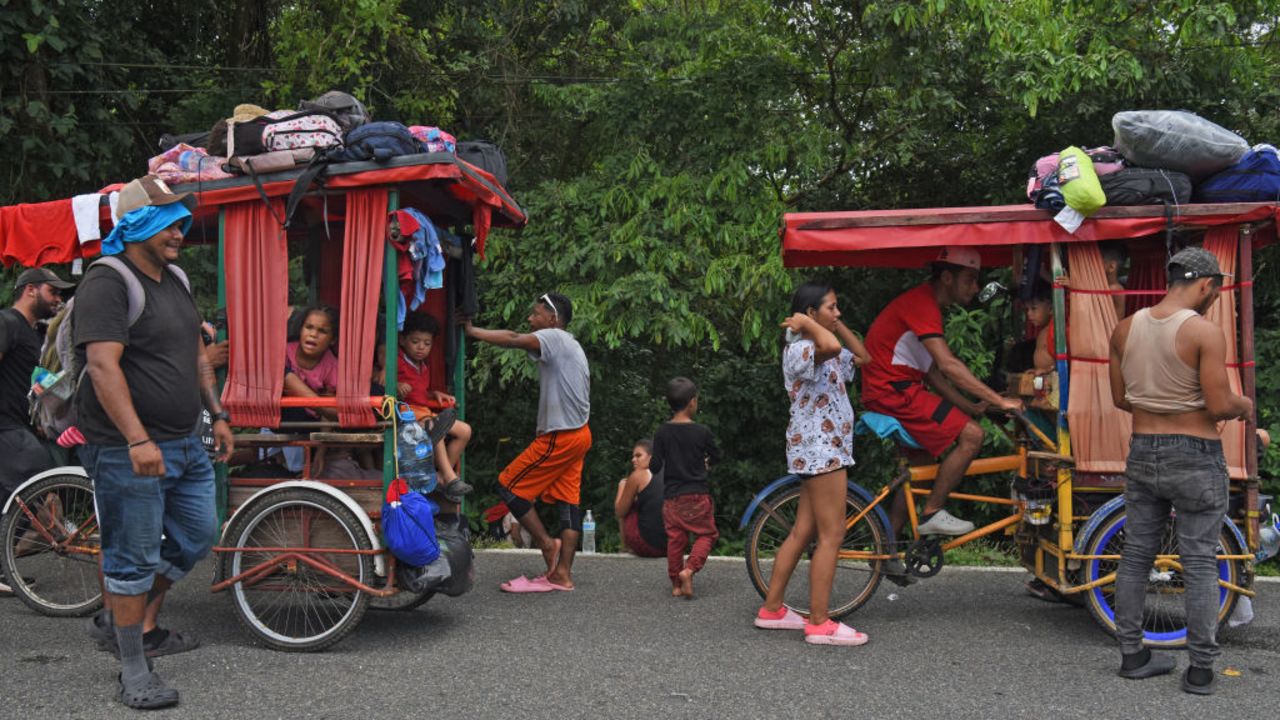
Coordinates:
column 1224, row 242
column 1099, row 431
column 257, row 278
column 362, row 251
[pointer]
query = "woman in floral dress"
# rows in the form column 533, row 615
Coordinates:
column 817, row 365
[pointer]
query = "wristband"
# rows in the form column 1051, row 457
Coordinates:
column 139, row 443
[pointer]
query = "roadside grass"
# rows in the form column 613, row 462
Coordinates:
column 982, row 553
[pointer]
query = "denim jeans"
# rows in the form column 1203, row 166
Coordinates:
column 1189, row 475
column 135, row 513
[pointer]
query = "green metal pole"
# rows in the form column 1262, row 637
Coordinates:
column 390, row 293
column 221, row 483
column 460, row 387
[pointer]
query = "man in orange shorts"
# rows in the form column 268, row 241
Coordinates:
column 551, row 467
column 907, row 350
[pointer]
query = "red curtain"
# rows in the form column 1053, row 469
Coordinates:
column 1099, row 431
column 257, row 278
column 1224, row 244
column 363, row 246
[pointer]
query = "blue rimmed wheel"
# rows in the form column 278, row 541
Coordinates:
column 1164, row 621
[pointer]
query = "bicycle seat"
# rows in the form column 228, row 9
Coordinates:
column 883, row 426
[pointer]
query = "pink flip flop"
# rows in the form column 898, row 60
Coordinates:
column 784, row 619
column 523, row 584
column 833, row 633
column 542, row 581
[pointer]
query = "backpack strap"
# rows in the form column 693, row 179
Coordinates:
column 137, row 295
column 314, row 173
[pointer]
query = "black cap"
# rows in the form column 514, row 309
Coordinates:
column 1196, row 263
column 41, row 276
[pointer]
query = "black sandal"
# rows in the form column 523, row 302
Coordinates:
column 1038, row 590
column 172, row 643
column 146, row 693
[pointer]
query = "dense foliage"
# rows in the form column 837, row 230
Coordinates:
column 655, row 145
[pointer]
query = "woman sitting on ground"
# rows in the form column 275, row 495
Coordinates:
column 638, row 505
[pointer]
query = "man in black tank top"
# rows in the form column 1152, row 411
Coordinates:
column 1175, row 463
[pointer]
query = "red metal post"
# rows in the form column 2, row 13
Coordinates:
column 1248, row 382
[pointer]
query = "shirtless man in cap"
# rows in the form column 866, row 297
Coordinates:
column 1168, row 369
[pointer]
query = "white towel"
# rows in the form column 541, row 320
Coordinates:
column 84, row 208
column 114, row 199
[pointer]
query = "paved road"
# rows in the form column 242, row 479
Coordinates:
column 966, row 644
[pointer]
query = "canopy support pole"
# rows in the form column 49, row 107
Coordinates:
column 221, row 485
column 390, row 306
column 1248, row 384
column 1065, row 539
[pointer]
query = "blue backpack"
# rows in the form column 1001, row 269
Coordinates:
column 1256, row 178
column 377, row 141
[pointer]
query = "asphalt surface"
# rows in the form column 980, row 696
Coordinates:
column 965, row 644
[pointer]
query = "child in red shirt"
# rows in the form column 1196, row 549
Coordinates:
column 413, row 386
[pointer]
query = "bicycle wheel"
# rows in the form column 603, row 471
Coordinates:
column 294, row 606
column 50, row 547
column 402, row 601
column 1164, row 621
column 855, row 580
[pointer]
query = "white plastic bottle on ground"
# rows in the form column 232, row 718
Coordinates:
column 588, row 534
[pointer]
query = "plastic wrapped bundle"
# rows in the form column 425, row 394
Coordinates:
column 1176, row 140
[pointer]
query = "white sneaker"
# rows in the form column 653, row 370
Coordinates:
column 944, row 523
column 5, row 589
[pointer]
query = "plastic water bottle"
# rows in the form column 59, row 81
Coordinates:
column 588, row 534
column 414, row 454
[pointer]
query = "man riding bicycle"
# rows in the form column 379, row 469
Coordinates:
column 907, row 350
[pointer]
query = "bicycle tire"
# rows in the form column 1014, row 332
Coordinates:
column 49, row 581
column 403, row 601
column 1163, row 625
column 855, row 581
column 298, row 608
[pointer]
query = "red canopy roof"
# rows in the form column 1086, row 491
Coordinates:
column 911, row 238
column 448, row 189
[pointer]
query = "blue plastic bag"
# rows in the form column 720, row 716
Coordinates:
column 409, row 525
column 1256, row 178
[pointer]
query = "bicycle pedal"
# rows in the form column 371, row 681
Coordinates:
column 925, row 558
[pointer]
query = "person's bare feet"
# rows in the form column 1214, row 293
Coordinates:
column 551, row 556
column 676, row 591
column 686, row 583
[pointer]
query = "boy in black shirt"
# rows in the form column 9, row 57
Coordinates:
column 684, row 450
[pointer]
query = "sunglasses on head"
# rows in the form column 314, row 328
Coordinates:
column 546, row 300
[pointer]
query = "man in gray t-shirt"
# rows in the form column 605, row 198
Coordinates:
column 551, row 467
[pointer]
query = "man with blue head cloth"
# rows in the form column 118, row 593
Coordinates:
column 147, row 379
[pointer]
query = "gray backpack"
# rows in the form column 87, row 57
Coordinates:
column 53, row 411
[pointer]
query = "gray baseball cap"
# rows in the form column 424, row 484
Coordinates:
column 1195, row 263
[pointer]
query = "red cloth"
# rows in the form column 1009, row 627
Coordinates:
column 37, row 234
column 418, row 377
column 362, row 252
column 895, row 341
column 257, row 276
column 495, row 513
column 685, row 515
